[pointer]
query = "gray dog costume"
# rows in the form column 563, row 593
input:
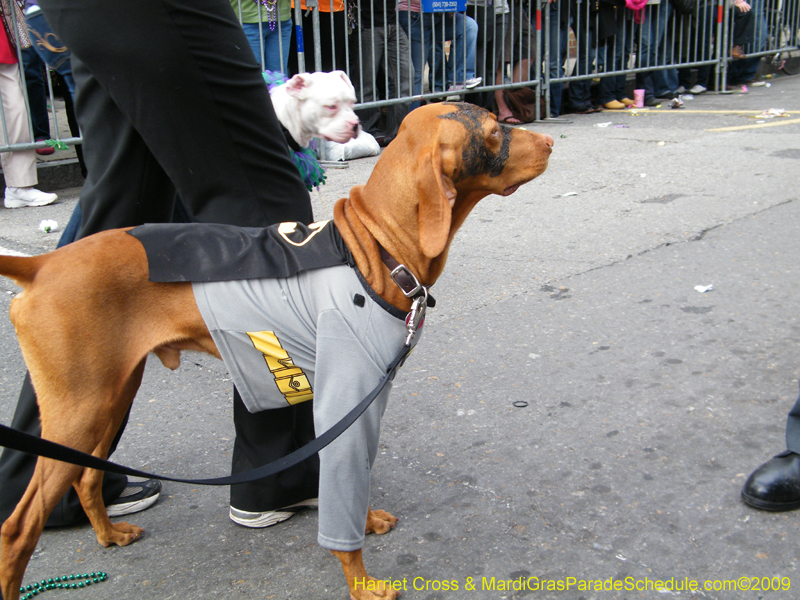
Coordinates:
column 294, row 321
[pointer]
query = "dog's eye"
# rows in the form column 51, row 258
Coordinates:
column 331, row 107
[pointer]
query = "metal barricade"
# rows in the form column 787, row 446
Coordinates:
column 776, row 34
column 405, row 52
column 580, row 43
column 45, row 48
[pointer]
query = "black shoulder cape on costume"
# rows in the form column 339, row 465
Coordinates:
column 208, row 252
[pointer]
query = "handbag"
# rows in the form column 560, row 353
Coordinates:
column 522, row 102
column 21, row 33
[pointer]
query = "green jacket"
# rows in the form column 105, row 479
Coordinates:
column 250, row 8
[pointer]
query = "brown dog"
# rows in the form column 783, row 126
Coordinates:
column 445, row 159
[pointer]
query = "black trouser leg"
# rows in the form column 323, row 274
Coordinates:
column 288, row 428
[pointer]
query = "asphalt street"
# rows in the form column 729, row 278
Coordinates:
column 577, row 412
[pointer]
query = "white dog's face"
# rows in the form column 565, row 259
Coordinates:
column 324, row 108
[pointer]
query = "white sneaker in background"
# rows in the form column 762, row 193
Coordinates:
column 467, row 85
column 27, row 196
column 698, row 89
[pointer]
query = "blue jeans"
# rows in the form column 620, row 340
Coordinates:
column 749, row 31
column 580, row 93
column 558, row 52
column 37, row 94
column 427, row 40
column 612, row 55
column 653, row 51
column 456, row 65
column 52, row 51
column 700, row 44
column 50, row 48
column 273, row 44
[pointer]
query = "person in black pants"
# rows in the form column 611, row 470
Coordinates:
column 775, row 485
column 170, row 100
column 380, row 50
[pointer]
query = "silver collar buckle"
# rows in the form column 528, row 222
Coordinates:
column 406, row 281
column 416, row 317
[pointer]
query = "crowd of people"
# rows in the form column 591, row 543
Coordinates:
column 399, row 43
column 147, row 95
column 19, row 168
column 404, row 50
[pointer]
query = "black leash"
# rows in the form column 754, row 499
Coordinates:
column 405, row 279
column 24, row 442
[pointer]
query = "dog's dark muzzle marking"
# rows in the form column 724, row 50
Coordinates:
column 477, row 159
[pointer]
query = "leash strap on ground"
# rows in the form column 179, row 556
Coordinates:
column 24, row 442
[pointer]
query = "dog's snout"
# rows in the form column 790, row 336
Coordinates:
column 548, row 139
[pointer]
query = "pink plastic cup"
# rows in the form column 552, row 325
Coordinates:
column 638, row 98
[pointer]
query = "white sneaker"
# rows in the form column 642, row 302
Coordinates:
column 698, row 89
column 468, row 84
column 256, row 520
column 136, row 497
column 455, row 97
column 27, row 196
column 680, row 90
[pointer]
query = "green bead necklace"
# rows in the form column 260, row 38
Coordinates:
column 65, row 582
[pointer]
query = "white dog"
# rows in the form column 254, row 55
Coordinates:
column 317, row 105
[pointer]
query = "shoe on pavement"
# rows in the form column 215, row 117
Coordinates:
column 739, row 87
column 628, row 102
column 586, row 109
column 136, row 497
column 614, row 105
column 651, row 101
column 46, row 151
column 681, row 90
column 775, row 485
column 467, row 85
column 459, row 87
column 698, row 89
column 27, row 196
column 756, row 81
column 256, row 520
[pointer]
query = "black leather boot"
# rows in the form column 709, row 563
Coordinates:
column 775, row 485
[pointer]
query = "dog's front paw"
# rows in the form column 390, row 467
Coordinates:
column 361, row 585
column 379, row 521
column 121, row 534
column 370, row 588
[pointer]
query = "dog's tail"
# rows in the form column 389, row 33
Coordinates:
column 20, row 269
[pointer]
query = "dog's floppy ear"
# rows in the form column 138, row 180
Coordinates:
column 436, row 195
column 345, row 78
column 296, row 85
